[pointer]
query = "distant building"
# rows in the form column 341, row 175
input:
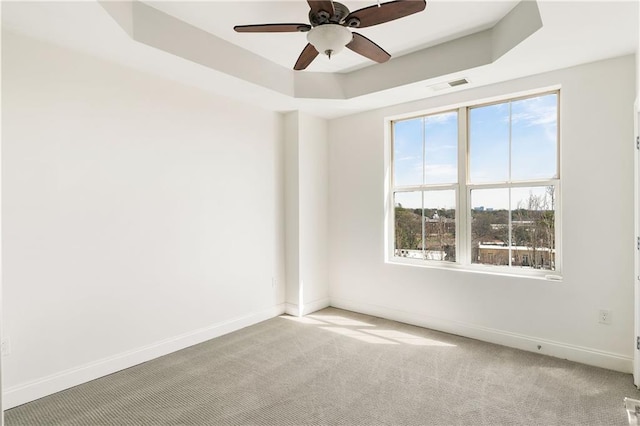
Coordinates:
column 524, row 223
column 498, row 254
column 422, row 254
column 495, row 253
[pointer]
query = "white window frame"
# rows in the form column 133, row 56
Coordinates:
column 463, row 193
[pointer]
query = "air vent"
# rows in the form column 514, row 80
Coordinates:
column 447, row 85
column 458, row 82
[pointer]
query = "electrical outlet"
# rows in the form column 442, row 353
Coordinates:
column 604, row 316
column 5, row 347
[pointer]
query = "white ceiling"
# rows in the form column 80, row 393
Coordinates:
column 397, row 37
column 573, row 32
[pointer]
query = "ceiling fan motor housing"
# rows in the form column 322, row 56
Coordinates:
column 324, row 17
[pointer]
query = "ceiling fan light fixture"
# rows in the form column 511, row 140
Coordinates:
column 329, row 26
column 329, row 39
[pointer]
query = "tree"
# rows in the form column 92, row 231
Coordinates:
column 408, row 228
column 534, row 226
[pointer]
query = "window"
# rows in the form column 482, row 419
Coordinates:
column 426, row 182
column 478, row 186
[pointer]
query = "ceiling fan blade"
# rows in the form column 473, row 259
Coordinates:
column 307, row 56
column 272, row 28
column 374, row 15
column 317, row 6
column 365, row 47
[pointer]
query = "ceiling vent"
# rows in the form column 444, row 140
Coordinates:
column 447, row 85
column 458, row 82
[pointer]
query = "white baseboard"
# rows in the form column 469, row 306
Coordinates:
column 579, row 354
column 20, row 394
column 293, row 309
column 314, row 306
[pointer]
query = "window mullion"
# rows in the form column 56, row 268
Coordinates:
column 509, row 234
column 434, row 187
column 424, row 181
column 510, row 135
column 463, row 214
column 422, row 224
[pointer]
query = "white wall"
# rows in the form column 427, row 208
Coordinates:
column 597, row 225
column 292, row 212
column 307, row 226
column 314, row 220
column 2, row 404
column 140, row 216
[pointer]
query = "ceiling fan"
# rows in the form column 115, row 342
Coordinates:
column 328, row 29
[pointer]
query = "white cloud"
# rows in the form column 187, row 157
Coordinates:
column 441, row 173
column 441, row 118
column 441, row 169
column 407, row 158
column 536, row 111
column 438, row 148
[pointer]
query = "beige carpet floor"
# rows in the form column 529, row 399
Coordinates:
column 340, row 368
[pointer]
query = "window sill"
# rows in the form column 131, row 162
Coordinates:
column 554, row 276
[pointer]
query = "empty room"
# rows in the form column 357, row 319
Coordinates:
column 320, row 213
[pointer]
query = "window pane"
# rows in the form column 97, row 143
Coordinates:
column 407, row 152
column 534, row 138
column 408, row 224
column 489, row 143
column 533, row 227
column 441, row 148
column 440, row 225
column 490, row 226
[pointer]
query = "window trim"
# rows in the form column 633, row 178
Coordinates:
column 463, row 192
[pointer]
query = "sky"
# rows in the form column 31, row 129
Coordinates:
column 527, row 128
